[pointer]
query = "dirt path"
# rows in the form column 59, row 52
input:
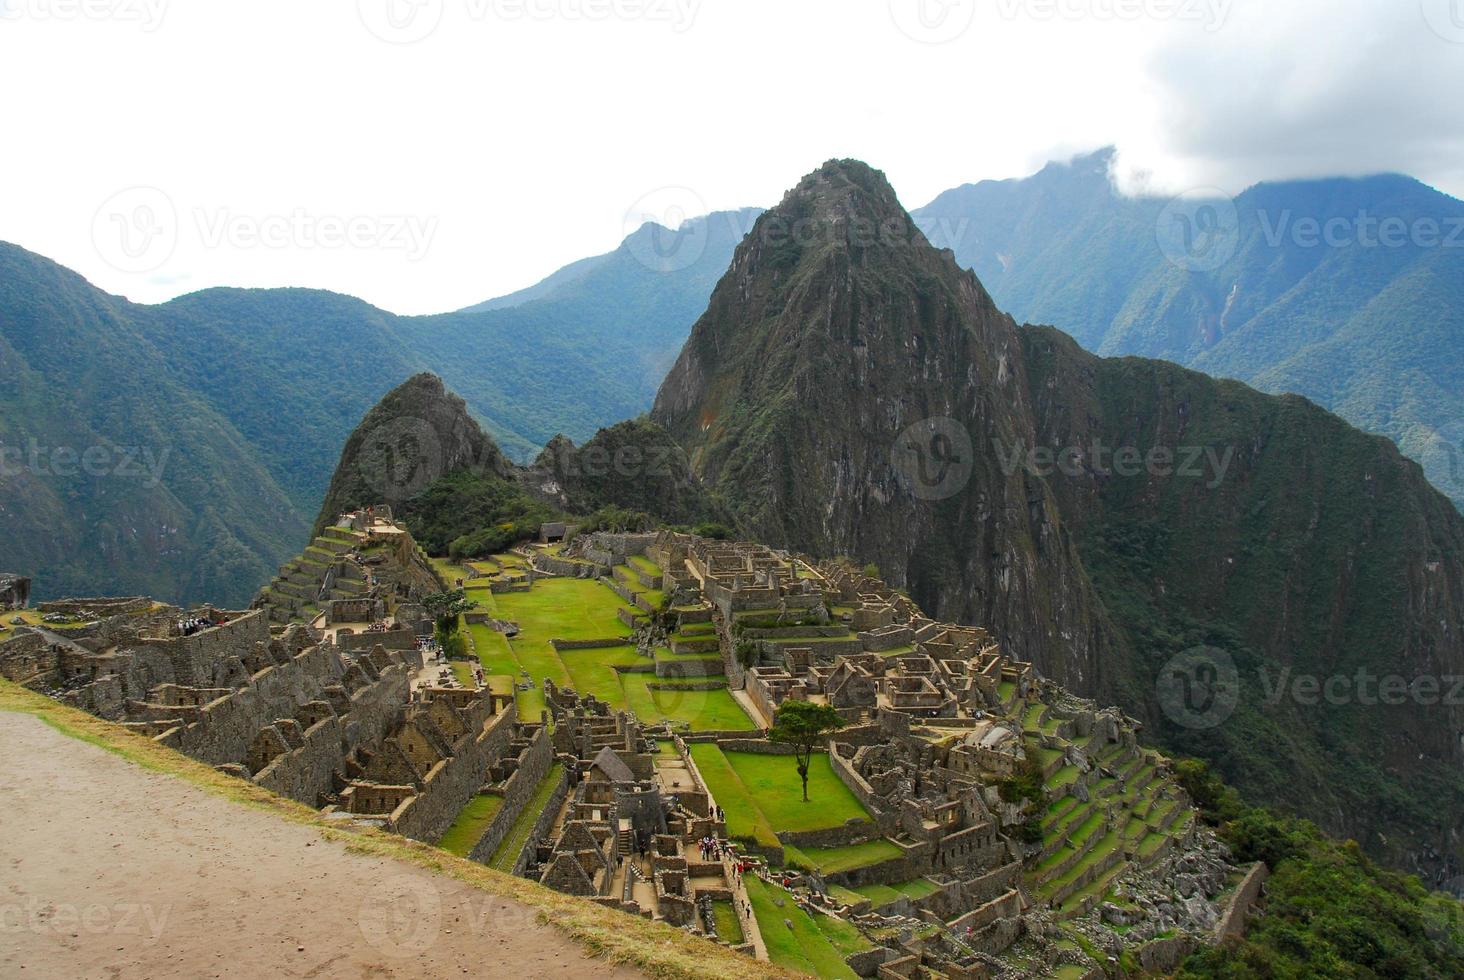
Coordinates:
column 110, row 870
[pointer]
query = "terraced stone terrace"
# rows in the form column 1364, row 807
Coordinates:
column 815, row 944
column 507, row 853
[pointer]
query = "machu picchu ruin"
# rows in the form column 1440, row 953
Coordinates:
column 606, row 735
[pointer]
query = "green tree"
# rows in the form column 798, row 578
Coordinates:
column 446, row 608
column 804, row 725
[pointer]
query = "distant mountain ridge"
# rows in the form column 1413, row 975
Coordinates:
column 1349, row 291
column 248, row 394
column 278, row 377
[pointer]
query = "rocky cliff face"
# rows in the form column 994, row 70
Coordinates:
column 851, row 390
column 635, row 465
column 1295, row 547
column 420, row 451
column 841, row 392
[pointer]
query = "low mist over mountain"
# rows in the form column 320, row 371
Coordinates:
column 1347, row 291
column 852, row 390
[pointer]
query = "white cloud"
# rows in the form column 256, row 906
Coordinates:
column 519, row 132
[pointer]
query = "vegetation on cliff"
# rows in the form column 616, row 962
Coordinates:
column 1329, row 910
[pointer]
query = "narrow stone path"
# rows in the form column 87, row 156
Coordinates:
column 111, row 870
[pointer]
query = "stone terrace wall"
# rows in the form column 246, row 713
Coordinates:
column 915, row 862
column 1232, row 920
column 198, row 659
column 517, row 792
column 226, row 727
column 456, row 780
column 544, row 822
column 864, row 793
column 402, row 639
column 305, row 773
column 550, row 565
column 26, row 658
column 623, row 545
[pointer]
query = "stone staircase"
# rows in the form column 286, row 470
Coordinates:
column 321, row 573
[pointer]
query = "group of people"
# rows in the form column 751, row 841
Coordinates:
column 712, row 849
column 376, row 627
column 197, row 624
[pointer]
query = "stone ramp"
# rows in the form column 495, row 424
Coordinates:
column 114, row 870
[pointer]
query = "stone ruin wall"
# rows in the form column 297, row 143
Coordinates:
column 226, row 727
column 307, row 772
column 518, row 791
column 543, row 824
column 457, row 779
column 400, row 639
column 199, row 660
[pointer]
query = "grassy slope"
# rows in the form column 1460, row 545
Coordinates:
column 809, row 946
column 471, row 821
column 507, row 854
column 659, row 950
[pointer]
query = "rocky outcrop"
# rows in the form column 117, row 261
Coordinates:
column 417, row 434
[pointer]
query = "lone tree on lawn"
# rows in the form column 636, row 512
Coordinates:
column 804, row 725
column 445, row 608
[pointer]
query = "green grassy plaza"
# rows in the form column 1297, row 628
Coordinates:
column 584, row 609
column 729, row 928
column 885, row 894
column 762, row 794
column 832, row 860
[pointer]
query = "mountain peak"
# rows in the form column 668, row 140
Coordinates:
column 843, row 189
column 418, row 432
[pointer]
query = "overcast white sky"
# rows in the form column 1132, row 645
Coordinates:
column 162, row 146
